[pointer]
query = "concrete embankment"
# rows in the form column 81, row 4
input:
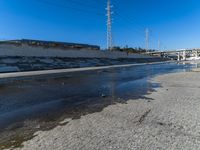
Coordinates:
column 15, row 58
column 31, row 51
column 16, row 64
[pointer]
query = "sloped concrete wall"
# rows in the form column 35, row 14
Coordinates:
column 15, row 64
column 27, row 51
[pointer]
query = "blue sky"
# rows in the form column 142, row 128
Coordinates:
column 176, row 23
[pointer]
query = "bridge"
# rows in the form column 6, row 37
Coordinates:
column 181, row 54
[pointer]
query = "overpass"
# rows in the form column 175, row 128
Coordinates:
column 180, row 54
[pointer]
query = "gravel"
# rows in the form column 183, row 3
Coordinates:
column 170, row 121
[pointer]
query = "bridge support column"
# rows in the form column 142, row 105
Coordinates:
column 179, row 57
column 196, row 54
column 184, row 55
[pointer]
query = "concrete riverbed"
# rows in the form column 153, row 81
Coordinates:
column 140, row 107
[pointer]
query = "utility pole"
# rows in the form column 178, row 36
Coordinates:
column 147, row 39
column 109, row 26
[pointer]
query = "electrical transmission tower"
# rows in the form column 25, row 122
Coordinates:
column 109, row 25
column 147, row 39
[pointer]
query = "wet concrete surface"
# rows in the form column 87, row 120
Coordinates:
column 41, row 104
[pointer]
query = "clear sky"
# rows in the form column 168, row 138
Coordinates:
column 176, row 23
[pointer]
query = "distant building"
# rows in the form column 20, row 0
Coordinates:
column 51, row 44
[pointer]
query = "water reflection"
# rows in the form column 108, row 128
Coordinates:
column 45, row 103
column 51, row 100
column 41, row 97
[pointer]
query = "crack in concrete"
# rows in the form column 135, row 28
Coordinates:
column 142, row 118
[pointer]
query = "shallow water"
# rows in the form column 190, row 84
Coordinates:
column 21, row 100
column 45, row 102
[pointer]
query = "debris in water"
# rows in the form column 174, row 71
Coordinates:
column 103, row 95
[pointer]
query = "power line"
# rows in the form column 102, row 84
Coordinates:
column 91, row 6
column 109, row 17
column 70, row 7
column 139, row 29
column 83, row 10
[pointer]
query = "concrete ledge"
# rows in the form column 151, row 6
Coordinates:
column 6, row 77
